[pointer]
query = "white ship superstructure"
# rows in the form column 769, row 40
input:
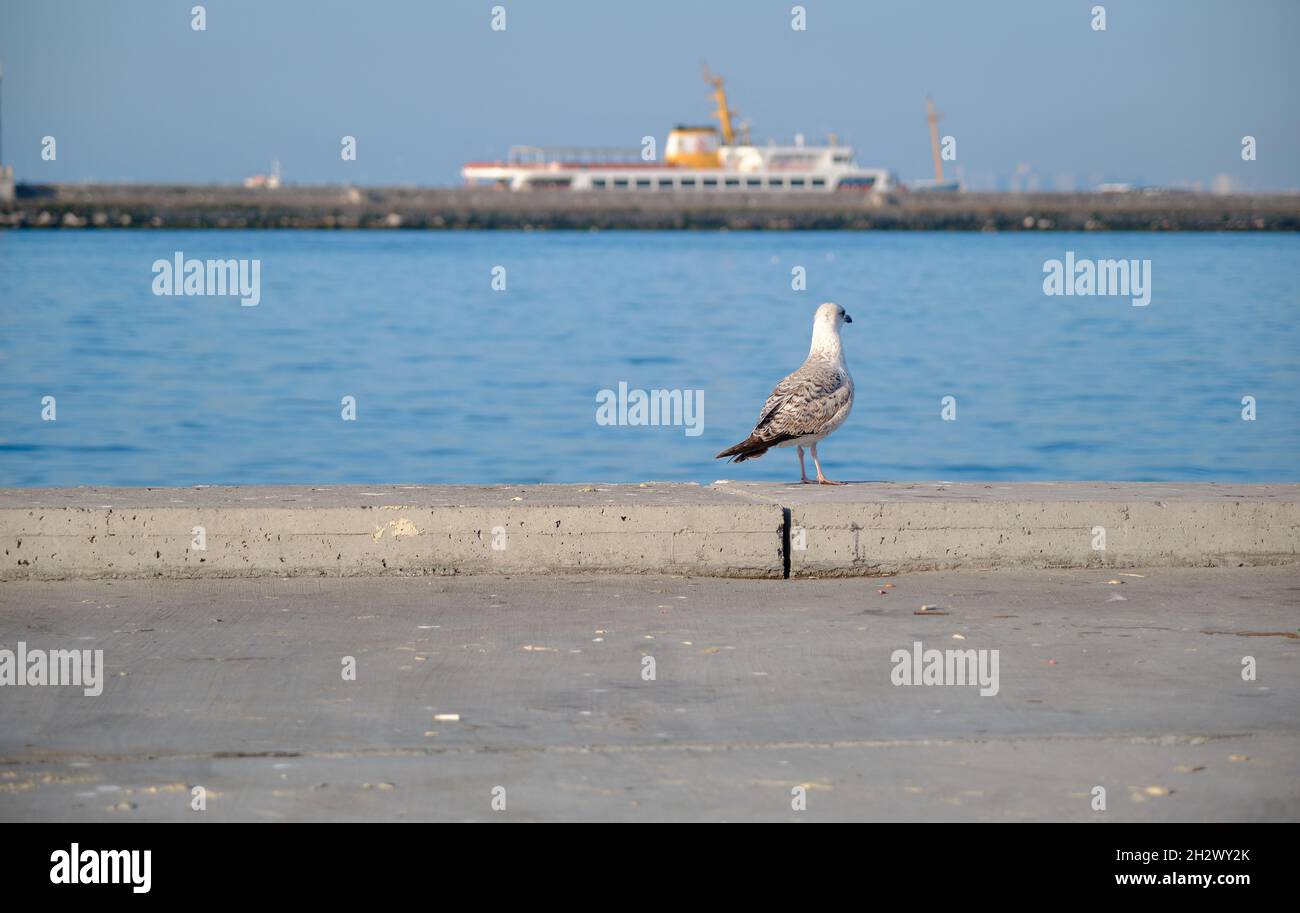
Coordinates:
column 705, row 159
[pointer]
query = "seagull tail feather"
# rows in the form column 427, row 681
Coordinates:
column 751, row 448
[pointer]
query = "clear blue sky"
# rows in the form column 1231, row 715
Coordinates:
column 1164, row 95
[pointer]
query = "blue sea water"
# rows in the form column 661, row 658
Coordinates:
column 457, row 382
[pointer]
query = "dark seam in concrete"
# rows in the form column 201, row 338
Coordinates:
column 785, row 543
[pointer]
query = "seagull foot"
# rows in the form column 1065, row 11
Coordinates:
column 829, row 482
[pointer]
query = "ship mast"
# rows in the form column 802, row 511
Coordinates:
column 934, row 117
column 723, row 113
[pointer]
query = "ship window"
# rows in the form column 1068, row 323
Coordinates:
column 598, row 183
column 776, row 182
column 796, row 182
column 733, row 182
column 819, row 182
column 710, row 182
column 688, row 182
column 753, row 182
column 665, row 183
column 620, row 182
column 643, row 182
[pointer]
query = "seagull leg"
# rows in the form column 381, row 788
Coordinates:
column 821, row 479
column 803, row 474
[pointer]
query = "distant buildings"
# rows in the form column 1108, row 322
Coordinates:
column 1224, row 184
column 265, row 181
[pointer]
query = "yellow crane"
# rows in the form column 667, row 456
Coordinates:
column 934, row 117
column 723, row 113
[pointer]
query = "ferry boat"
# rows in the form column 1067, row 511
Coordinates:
column 696, row 158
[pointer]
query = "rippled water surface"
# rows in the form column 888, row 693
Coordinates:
column 456, row 382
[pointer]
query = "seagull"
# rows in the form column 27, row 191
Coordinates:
column 809, row 404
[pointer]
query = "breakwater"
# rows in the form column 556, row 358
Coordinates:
column 89, row 206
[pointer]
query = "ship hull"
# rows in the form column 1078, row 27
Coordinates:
column 652, row 178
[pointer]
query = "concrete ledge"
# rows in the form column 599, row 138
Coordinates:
column 876, row 529
column 724, row 530
column 385, row 530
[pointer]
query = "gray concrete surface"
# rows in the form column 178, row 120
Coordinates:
column 1126, row 680
column 726, row 530
column 358, row 530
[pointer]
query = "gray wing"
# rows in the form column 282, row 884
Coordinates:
column 812, row 399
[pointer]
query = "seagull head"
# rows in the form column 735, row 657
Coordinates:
column 831, row 316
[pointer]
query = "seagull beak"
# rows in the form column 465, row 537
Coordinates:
column 848, row 319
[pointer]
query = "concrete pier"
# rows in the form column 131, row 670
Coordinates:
column 724, row 530
column 533, row 690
